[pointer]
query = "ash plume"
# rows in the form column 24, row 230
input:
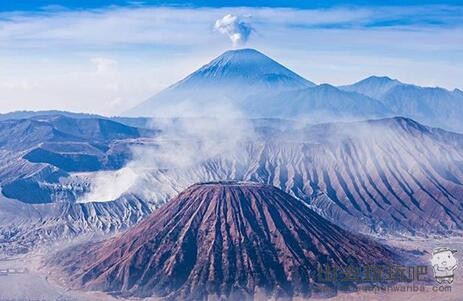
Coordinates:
column 235, row 28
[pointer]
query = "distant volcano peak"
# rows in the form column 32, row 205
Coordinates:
column 243, row 56
column 235, row 77
column 242, row 52
column 245, row 63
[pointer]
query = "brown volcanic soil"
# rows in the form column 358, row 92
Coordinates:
column 228, row 239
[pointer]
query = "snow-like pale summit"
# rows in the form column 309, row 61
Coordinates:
column 257, row 86
column 227, row 80
column 247, row 65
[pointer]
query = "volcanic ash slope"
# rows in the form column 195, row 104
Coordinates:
column 221, row 240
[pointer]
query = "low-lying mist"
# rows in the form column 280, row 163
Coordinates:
column 383, row 174
column 181, row 144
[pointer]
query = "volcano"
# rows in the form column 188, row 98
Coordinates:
column 226, row 239
column 249, row 83
column 228, row 80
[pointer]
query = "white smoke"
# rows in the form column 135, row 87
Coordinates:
column 183, row 144
column 110, row 185
column 235, row 27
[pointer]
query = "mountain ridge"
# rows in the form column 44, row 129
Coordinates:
column 227, row 79
column 384, row 176
column 372, row 86
column 242, row 80
column 249, row 83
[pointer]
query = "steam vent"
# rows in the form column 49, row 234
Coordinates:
column 221, row 241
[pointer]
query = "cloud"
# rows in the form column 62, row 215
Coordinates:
column 49, row 54
column 237, row 30
column 103, row 65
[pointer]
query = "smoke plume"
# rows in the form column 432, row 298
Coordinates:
column 237, row 30
column 182, row 145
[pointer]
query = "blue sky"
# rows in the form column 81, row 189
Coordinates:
column 31, row 5
column 106, row 56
